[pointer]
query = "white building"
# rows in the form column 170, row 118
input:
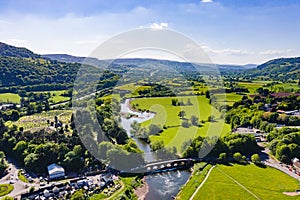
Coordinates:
column 55, row 171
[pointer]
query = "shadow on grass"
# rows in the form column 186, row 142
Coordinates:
column 227, row 163
column 260, row 165
column 243, row 163
column 175, row 126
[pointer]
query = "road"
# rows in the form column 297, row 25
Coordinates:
column 269, row 161
column 80, row 98
column 19, row 186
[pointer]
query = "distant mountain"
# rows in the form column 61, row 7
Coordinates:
column 12, row 51
column 146, row 62
column 281, row 69
column 64, row 58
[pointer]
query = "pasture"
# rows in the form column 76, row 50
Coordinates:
column 10, row 98
column 228, row 99
column 253, row 86
column 196, row 178
column 56, row 96
column 167, row 115
column 247, row 182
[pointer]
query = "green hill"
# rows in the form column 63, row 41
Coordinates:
column 16, row 71
column 281, row 69
column 21, row 68
column 20, row 52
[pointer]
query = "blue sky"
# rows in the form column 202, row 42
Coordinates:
column 230, row 31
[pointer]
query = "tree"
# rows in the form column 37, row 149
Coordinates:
column 185, row 124
column 154, row 129
column 283, row 153
column 238, row 157
column 2, row 155
column 39, row 108
column 2, row 126
column 189, row 102
column 207, row 95
column 22, row 93
column 78, row 195
column 3, row 163
column 273, row 117
column 211, row 118
column 174, row 102
column 255, row 159
column 194, row 120
column 31, row 189
column 20, row 148
column 30, row 109
column 31, row 161
column 181, row 114
column 121, row 136
column 222, row 157
column 47, row 105
column 77, row 150
column 157, row 145
column 15, row 115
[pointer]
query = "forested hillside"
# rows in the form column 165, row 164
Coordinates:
column 20, row 68
column 281, row 69
column 27, row 71
column 11, row 51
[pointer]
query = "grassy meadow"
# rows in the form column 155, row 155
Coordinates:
column 253, row 86
column 247, row 182
column 196, row 178
column 229, row 98
column 167, row 115
column 10, row 98
column 56, row 96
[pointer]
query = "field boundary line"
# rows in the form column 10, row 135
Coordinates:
column 254, row 195
column 202, row 183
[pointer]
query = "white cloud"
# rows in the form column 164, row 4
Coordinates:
column 227, row 51
column 71, row 33
column 159, row 26
column 206, row 1
column 276, row 52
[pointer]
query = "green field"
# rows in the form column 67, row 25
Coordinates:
column 196, row 178
column 167, row 115
column 5, row 189
column 10, row 98
column 247, row 182
column 288, row 87
column 39, row 120
column 229, row 98
column 133, row 88
column 56, row 96
column 253, row 86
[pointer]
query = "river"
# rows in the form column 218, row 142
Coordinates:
column 161, row 185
